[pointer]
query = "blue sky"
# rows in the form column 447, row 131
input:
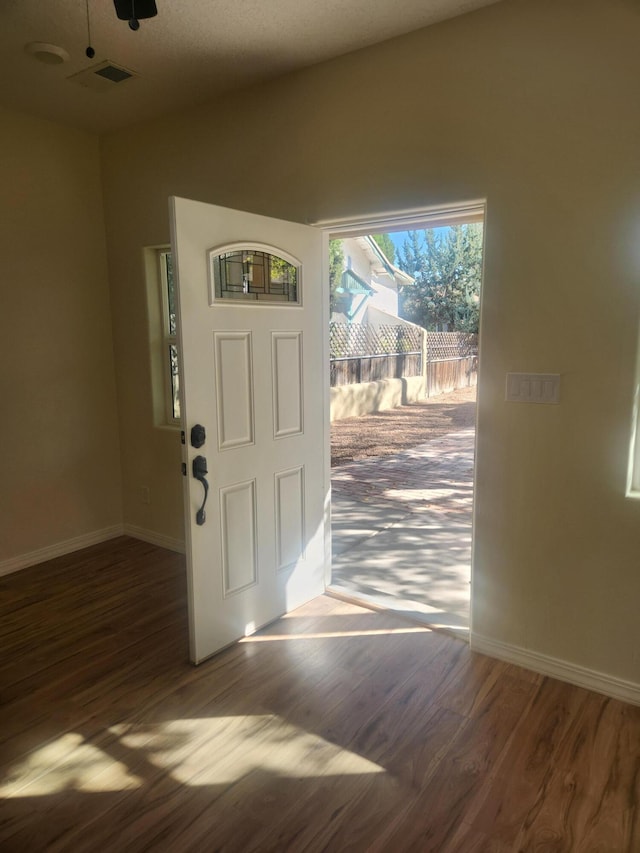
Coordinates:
column 399, row 237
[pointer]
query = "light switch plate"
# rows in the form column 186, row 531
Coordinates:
column 533, row 388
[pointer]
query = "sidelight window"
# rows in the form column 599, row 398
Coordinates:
column 170, row 340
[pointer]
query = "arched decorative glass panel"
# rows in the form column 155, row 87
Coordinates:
column 254, row 275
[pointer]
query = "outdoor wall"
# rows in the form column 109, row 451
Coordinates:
column 386, row 299
column 376, row 317
column 356, row 259
column 59, row 454
column 385, row 296
column 530, row 104
column 364, row 398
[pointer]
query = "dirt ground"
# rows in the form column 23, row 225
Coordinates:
column 385, row 433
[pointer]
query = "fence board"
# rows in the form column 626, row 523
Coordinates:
column 350, row 371
column 365, row 353
column 450, row 374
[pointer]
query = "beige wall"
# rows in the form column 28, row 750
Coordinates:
column 363, row 398
column 531, row 104
column 60, row 466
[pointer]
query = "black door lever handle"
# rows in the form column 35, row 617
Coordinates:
column 199, row 467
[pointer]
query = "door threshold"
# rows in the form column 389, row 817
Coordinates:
column 411, row 611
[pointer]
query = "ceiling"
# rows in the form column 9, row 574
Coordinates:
column 194, row 50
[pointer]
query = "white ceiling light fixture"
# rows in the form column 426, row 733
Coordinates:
column 49, row 54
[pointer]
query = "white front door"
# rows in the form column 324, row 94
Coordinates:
column 251, row 330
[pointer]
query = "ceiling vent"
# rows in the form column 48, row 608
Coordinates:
column 102, row 77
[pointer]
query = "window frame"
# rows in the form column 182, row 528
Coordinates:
column 214, row 254
column 169, row 342
column 159, row 337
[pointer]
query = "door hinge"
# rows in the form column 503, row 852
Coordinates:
column 184, row 469
column 183, row 438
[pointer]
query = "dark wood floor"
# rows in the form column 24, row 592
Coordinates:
column 335, row 729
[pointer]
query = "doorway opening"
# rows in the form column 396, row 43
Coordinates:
column 404, row 327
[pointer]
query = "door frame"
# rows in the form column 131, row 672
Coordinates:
column 434, row 216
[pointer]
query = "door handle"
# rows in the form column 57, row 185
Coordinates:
column 199, row 467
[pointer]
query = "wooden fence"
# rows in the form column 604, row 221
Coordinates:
column 444, row 376
column 452, row 361
column 364, row 353
column 350, row 371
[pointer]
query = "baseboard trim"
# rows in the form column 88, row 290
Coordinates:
column 68, row 546
column 599, row 682
column 154, row 538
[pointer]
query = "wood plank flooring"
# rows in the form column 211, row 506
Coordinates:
column 334, row 729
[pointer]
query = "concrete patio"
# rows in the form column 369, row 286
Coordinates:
column 401, row 530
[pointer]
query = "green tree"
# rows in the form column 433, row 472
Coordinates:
column 386, row 244
column 447, row 267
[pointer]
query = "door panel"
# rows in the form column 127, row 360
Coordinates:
column 251, row 328
column 288, row 396
column 234, row 388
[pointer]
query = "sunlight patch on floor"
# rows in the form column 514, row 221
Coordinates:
column 192, row 752
column 221, row 750
column 328, row 635
column 67, row 764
